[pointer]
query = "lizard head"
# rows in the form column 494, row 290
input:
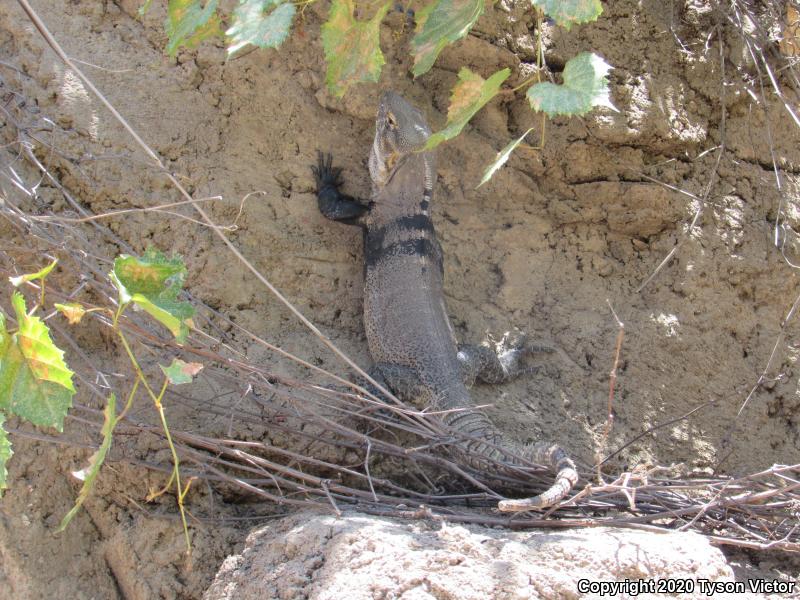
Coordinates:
column 400, row 129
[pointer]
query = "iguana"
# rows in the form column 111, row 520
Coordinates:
column 408, row 331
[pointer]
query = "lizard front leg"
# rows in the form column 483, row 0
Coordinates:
column 332, row 203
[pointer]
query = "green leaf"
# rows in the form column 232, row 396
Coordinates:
column 501, row 158
column 567, row 13
column 17, row 281
column 189, row 23
column 181, row 372
column 176, row 326
column 252, row 24
column 440, row 23
column 5, row 454
column 153, row 283
column 89, row 473
column 35, row 382
column 469, row 95
column 585, row 85
column 352, row 47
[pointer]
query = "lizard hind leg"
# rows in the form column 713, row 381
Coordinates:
column 497, row 362
column 397, row 379
column 401, row 380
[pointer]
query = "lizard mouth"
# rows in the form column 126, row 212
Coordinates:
column 394, row 161
column 391, row 161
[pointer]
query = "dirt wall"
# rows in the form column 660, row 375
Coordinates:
column 554, row 236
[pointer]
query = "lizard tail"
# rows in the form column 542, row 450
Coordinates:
column 553, row 456
column 477, row 425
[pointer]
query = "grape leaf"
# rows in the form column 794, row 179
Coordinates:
column 567, row 13
column 468, row 96
column 585, row 85
column 177, row 326
column 189, row 23
column 501, row 158
column 41, row 274
column 440, row 23
column 89, row 473
column 5, row 455
column 72, row 310
column 153, row 283
column 252, row 25
column 352, row 47
column 35, row 382
column 152, row 274
column 45, row 360
column 181, row 372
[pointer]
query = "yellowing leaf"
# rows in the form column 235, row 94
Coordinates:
column 468, row 96
column 253, row 25
column 567, row 13
column 72, row 310
column 17, row 281
column 35, row 382
column 441, row 23
column 153, row 283
column 89, row 473
column 352, row 47
column 5, row 455
column 501, row 158
column 153, row 273
column 585, row 85
column 44, row 358
column 189, row 22
column 181, row 372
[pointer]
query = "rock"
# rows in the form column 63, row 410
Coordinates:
column 323, row 557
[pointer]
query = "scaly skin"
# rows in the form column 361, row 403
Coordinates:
column 408, row 331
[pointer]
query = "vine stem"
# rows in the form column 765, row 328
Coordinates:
column 536, row 76
column 524, row 83
column 540, row 64
column 175, row 477
column 176, row 473
column 128, row 403
column 612, row 380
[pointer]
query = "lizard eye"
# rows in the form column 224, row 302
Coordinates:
column 391, row 120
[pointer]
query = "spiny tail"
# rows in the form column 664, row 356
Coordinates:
column 486, row 444
column 553, row 456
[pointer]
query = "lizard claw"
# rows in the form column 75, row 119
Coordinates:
column 517, row 340
column 325, row 173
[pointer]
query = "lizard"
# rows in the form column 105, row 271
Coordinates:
column 409, row 334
